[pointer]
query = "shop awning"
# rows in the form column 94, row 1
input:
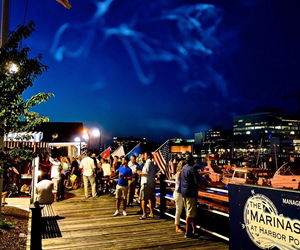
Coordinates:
column 12, row 137
column 14, row 144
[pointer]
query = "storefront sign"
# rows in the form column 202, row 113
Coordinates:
column 264, row 218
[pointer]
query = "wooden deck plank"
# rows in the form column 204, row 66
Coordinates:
column 89, row 224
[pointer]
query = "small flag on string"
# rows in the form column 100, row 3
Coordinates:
column 65, row 3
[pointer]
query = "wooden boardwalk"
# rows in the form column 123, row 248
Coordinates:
column 89, row 224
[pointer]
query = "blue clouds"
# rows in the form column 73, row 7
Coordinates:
column 158, row 69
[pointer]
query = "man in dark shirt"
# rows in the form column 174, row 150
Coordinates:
column 189, row 191
column 75, row 172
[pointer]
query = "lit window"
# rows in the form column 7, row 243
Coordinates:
column 235, row 126
column 292, row 132
column 248, row 123
column 258, row 127
column 248, row 132
column 240, row 120
column 277, row 127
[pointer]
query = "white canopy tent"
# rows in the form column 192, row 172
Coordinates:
column 13, row 140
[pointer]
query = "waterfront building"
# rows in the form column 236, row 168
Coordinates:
column 180, row 146
column 215, row 140
column 254, row 131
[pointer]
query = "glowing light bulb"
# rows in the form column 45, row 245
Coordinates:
column 13, row 68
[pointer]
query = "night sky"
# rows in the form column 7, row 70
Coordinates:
column 159, row 68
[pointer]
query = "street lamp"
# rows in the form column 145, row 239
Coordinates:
column 78, row 140
column 86, row 136
column 96, row 132
column 12, row 68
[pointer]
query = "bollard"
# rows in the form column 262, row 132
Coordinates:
column 162, row 207
column 36, row 231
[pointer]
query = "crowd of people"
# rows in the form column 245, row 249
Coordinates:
column 90, row 170
column 121, row 178
column 62, row 172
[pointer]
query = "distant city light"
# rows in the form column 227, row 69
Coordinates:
column 77, row 139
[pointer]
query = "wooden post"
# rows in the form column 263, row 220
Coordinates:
column 162, row 195
column 36, row 231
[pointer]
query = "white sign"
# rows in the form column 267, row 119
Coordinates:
column 268, row 229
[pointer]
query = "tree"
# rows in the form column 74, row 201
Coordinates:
column 13, row 108
column 17, row 73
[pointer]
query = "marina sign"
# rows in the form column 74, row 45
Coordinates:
column 263, row 218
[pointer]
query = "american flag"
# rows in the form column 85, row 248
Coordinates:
column 161, row 158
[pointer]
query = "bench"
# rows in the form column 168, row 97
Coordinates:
column 48, row 211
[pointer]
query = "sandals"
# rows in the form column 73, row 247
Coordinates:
column 142, row 218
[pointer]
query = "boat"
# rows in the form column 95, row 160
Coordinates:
column 217, row 167
column 246, row 175
column 287, row 176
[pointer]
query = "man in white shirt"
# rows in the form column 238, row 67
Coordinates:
column 88, row 166
column 132, row 184
column 44, row 190
column 56, row 176
column 148, row 186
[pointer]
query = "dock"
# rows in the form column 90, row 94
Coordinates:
column 89, row 224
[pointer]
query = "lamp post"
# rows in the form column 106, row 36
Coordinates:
column 78, row 140
column 96, row 133
column 86, row 136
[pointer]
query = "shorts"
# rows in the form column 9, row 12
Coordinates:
column 146, row 192
column 190, row 205
column 56, row 183
column 120, row 190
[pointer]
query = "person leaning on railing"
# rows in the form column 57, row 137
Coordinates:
column 189, row 190
column 178, row 197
